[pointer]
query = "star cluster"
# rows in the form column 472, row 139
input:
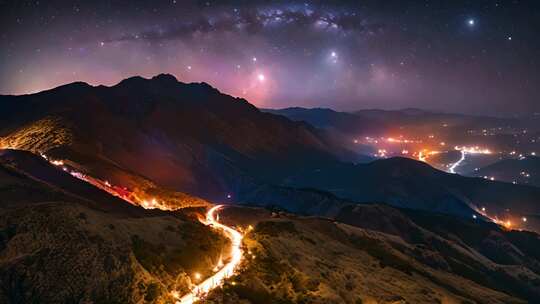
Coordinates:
column 458, row 56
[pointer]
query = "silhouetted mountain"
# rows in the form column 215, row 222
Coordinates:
column 407, row 183
column 188, row 137
column 380, row 122
column 522, row 171
column 343, row 122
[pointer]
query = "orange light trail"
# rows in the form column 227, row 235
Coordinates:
column 222, row 271
column 227, row 271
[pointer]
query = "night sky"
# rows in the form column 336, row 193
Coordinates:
column 477, row 57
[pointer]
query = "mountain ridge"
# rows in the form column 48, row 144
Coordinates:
column 193, row 139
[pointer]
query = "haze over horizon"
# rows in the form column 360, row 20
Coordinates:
column 465, row 57
column 307, row 107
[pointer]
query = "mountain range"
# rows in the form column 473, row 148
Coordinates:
column 193, row 139
column 307, row 196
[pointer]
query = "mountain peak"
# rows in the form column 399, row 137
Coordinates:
column 169, row 78
column 133, row 79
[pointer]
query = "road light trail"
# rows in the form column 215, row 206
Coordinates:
column 228, row 270
column 211, row 220
column 453, row 167
column 464, row 151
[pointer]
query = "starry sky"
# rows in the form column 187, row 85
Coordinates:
column 479, row 57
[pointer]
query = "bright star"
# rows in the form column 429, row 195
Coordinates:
column 333, row 57
column 509, row 37
column 471, row 22
column 254, row 59
column 261, row 77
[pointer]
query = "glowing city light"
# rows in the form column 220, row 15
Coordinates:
column 57, row 162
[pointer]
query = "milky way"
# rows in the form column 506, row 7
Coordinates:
column 459, row 56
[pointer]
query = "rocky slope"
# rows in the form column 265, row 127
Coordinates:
column 187, row 137
column 293, row 259
column 64, row 241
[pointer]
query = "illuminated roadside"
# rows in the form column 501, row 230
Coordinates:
column 227, row 271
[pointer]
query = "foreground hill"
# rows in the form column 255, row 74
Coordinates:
column 64, row 241
column 378, row 254
column 52, row 224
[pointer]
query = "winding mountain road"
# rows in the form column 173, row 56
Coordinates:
column 216, row 280
column 228, row 269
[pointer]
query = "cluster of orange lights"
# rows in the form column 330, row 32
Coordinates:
column 402, row 141
column 121, row 192
column 507, row 223
column 424, row 154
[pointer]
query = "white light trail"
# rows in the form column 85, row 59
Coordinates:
column 453, row 167
column 464, row 151
column 227, row 271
